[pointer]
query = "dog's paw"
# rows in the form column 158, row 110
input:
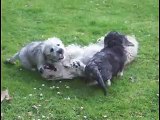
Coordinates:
column 120, row 73
column 109, row 82
column 77, row 64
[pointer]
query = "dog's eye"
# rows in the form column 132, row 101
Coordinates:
column 51, row 50
column 58, row 44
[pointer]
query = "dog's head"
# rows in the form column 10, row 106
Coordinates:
column 116, row 39
column 54, row 50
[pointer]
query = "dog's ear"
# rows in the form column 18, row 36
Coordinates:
column 127, row 43
column 47, row 50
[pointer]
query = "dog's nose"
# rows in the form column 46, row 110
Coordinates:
column 60, row 51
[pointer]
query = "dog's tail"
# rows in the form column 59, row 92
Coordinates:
column 12, row 59
column 100, row 80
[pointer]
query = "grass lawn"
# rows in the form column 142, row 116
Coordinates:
column 82, row 22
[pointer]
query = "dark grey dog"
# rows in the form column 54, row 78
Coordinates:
column 109, row 61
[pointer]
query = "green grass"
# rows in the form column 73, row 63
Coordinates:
column 82, row 22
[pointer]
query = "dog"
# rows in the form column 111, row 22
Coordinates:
column 74, row 63
column 78, row 56
column 110, row 61
column 36, row 54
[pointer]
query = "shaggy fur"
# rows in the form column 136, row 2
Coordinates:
column 67, row 69
column 109, row 61
column 37, row 54
column 74, row 63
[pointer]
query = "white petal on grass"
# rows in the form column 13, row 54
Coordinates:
column 104, row 116
column 41, row 98
column 67, row 87
column 51, row 88
column 30, row 95
column 43, row 85
column 39, row 105
column 85, row 117
column 68, row 98
column 81, row 108
column 35, row 107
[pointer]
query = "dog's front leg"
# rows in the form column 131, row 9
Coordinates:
column 40, row 64
column 40, row 68
column 120, row 73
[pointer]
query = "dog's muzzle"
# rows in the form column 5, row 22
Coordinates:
column 60, row 53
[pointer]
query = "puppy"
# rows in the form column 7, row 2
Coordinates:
column 76, row 57
column 109, row 61
column 37, row 54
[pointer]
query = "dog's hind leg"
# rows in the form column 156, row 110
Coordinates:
column 25, row 63
column 107, row 75
column 23, row 58
column 13, row 58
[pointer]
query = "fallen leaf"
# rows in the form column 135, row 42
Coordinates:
column 5, row 95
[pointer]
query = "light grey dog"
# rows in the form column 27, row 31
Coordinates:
column 37, row 54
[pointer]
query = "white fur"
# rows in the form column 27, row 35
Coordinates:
column 73, row 53
column 131, row 51
column 38, row 53
column 82, row 54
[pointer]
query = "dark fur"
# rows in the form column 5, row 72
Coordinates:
column 109, row 61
